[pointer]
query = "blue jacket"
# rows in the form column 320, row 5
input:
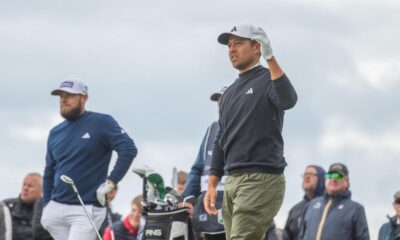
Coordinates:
column 81, row 149
column 202, row 163
column 345, row 219
column 390, row 230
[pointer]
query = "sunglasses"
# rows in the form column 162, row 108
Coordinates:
column 397, row 201
column 336, row 176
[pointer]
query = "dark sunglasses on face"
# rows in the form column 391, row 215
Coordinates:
column 336, row 176
column 397, row 201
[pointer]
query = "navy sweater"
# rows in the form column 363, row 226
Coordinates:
column 81, row 149
column 250, row 124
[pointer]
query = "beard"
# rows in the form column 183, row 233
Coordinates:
column 72, row 114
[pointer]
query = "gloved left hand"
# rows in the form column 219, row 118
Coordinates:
column 102, row 191
column 261, row 37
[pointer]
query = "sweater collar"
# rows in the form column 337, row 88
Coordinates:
column 251, row 70
column 342, row 195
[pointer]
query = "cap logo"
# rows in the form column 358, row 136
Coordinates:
column 234, row 29
column 67, row 84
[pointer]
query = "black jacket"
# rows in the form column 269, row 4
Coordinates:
column 250, row 124
column 21, row 217
column 39, row 233
column 345, row 219
column 390, row 230
column 296, row 214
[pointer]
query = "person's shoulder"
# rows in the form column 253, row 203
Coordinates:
column 316, row 203
column 298, row 205
column 101, row 118
column 58, row 126
column 10, row 202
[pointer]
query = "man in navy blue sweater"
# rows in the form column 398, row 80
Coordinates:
column 81, row 148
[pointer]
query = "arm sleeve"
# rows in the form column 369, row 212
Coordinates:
column 118, row 140
column 194, row 179
column 282, row 93
column 48, row 176
column 361, row 227
column 286, row 229
column 217, row 162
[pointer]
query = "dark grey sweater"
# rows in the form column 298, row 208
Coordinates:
column 251, row 120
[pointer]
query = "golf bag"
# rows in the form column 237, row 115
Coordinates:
column 161, row 218
column 167, row 225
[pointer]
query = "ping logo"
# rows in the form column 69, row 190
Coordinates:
column 67, row 84
column 234, row 29
column 153, row 232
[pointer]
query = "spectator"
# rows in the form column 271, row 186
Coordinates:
column 197, row 184
column 335, row 215
column 114, row 216
column 182, row 178
column 21, row 208
column 391, row 230
column 5, row 223
column 313, row 186
column 128, row 228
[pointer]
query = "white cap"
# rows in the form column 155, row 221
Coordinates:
column 242, row 30
column 71, row 85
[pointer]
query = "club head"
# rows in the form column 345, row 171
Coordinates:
column 142, row 171
column 67, row 179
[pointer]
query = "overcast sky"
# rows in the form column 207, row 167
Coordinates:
column 153, row 65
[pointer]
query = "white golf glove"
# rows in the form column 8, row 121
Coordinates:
column 102, row 191
column 261, row 37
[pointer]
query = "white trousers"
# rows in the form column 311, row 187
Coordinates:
column 69, row 222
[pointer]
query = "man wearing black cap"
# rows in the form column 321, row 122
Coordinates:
column 335, row 215
column 197, row 184
column 249, row 143
column 391, row 230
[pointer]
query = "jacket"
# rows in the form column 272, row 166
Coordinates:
column 390, row 230
column 296, row 214
column 345, row 219
column 21, row 217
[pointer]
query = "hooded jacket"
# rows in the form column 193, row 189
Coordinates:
column 345, row 219
column 390, row 230
column 296, row 214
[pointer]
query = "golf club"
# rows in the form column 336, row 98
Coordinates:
column 109, row 220
column 69, row 181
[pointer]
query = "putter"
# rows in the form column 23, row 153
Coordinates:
column 69, row 181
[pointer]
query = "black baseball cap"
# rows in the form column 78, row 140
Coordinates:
column 215, row 96
column 339, row 168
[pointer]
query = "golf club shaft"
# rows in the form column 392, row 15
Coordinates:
column 110, row 223
column 87, row 214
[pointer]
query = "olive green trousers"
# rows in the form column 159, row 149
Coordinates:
column 251, row 201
